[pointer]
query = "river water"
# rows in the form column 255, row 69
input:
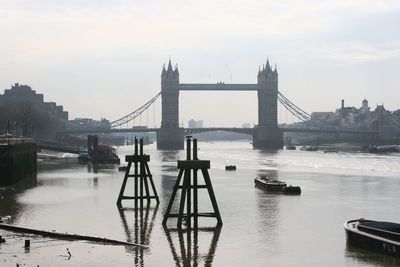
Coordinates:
column 259, row 228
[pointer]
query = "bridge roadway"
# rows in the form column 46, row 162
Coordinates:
column 217, row 87
column 228, row 129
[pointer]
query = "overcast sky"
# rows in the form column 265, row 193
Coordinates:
column 104, row 58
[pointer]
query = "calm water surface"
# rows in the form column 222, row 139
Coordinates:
column 260, row 229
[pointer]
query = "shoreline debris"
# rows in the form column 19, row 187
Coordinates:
column 68, row 235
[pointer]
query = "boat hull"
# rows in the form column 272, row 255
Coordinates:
column 369, row 240
column 270, row 186
column 230, row 168
column 276, row 186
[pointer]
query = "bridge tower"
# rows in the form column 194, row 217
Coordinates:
column 170, row 135
column 267, row 134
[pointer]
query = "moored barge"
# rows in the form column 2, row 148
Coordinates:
column 273, row 185
column 101, row 154
column 230, row 168
column 379, row 236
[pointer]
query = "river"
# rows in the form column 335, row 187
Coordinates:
column 259, row 228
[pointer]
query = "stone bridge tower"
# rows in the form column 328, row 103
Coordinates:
column 267, row 134
column 170, row 136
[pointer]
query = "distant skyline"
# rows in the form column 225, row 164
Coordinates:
column 103, row 58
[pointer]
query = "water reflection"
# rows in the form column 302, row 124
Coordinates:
column 268, row 208
column 93, row 182
column 140, row 231
column 267, row 152
column 185, row 246
column 95, row 168
column 267, row 157
column 167, row 184
column 169, row 175
column 169, row 162
column 367, row 257
column 169, row 155
column 56, row 164
column 9, row 205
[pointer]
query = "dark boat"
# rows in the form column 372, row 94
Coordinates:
column 292, row 190
column 309, row 148
column 379, row 236
column 272, row 185
column 104, row 154
column 290, row 147
column 230, row 168
column 383, row 149
column 101, row 154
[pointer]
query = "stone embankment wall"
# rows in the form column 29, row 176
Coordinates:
column 18, row 160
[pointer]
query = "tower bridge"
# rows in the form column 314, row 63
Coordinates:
column 266, row 135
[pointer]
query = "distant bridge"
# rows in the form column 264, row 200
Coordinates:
column 329, row 130
column 249, row 131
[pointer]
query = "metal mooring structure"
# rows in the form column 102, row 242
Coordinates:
column 142, row 176
column 189, row 190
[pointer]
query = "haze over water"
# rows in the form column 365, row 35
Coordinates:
column 260, row 229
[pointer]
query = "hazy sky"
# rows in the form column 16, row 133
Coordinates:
column 104, row 58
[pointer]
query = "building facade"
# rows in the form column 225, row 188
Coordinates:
column 18, row 94
column 23, row 112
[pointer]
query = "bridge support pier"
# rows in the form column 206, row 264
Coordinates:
column 170, row 138
column 267, row 137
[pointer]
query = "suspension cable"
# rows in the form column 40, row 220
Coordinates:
column 134, row 114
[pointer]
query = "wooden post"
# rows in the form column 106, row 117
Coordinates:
column 195, row 198
column 141, row 171
column 188, row 150
column 136, row 171
column 195, row 149
column 186, row 167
